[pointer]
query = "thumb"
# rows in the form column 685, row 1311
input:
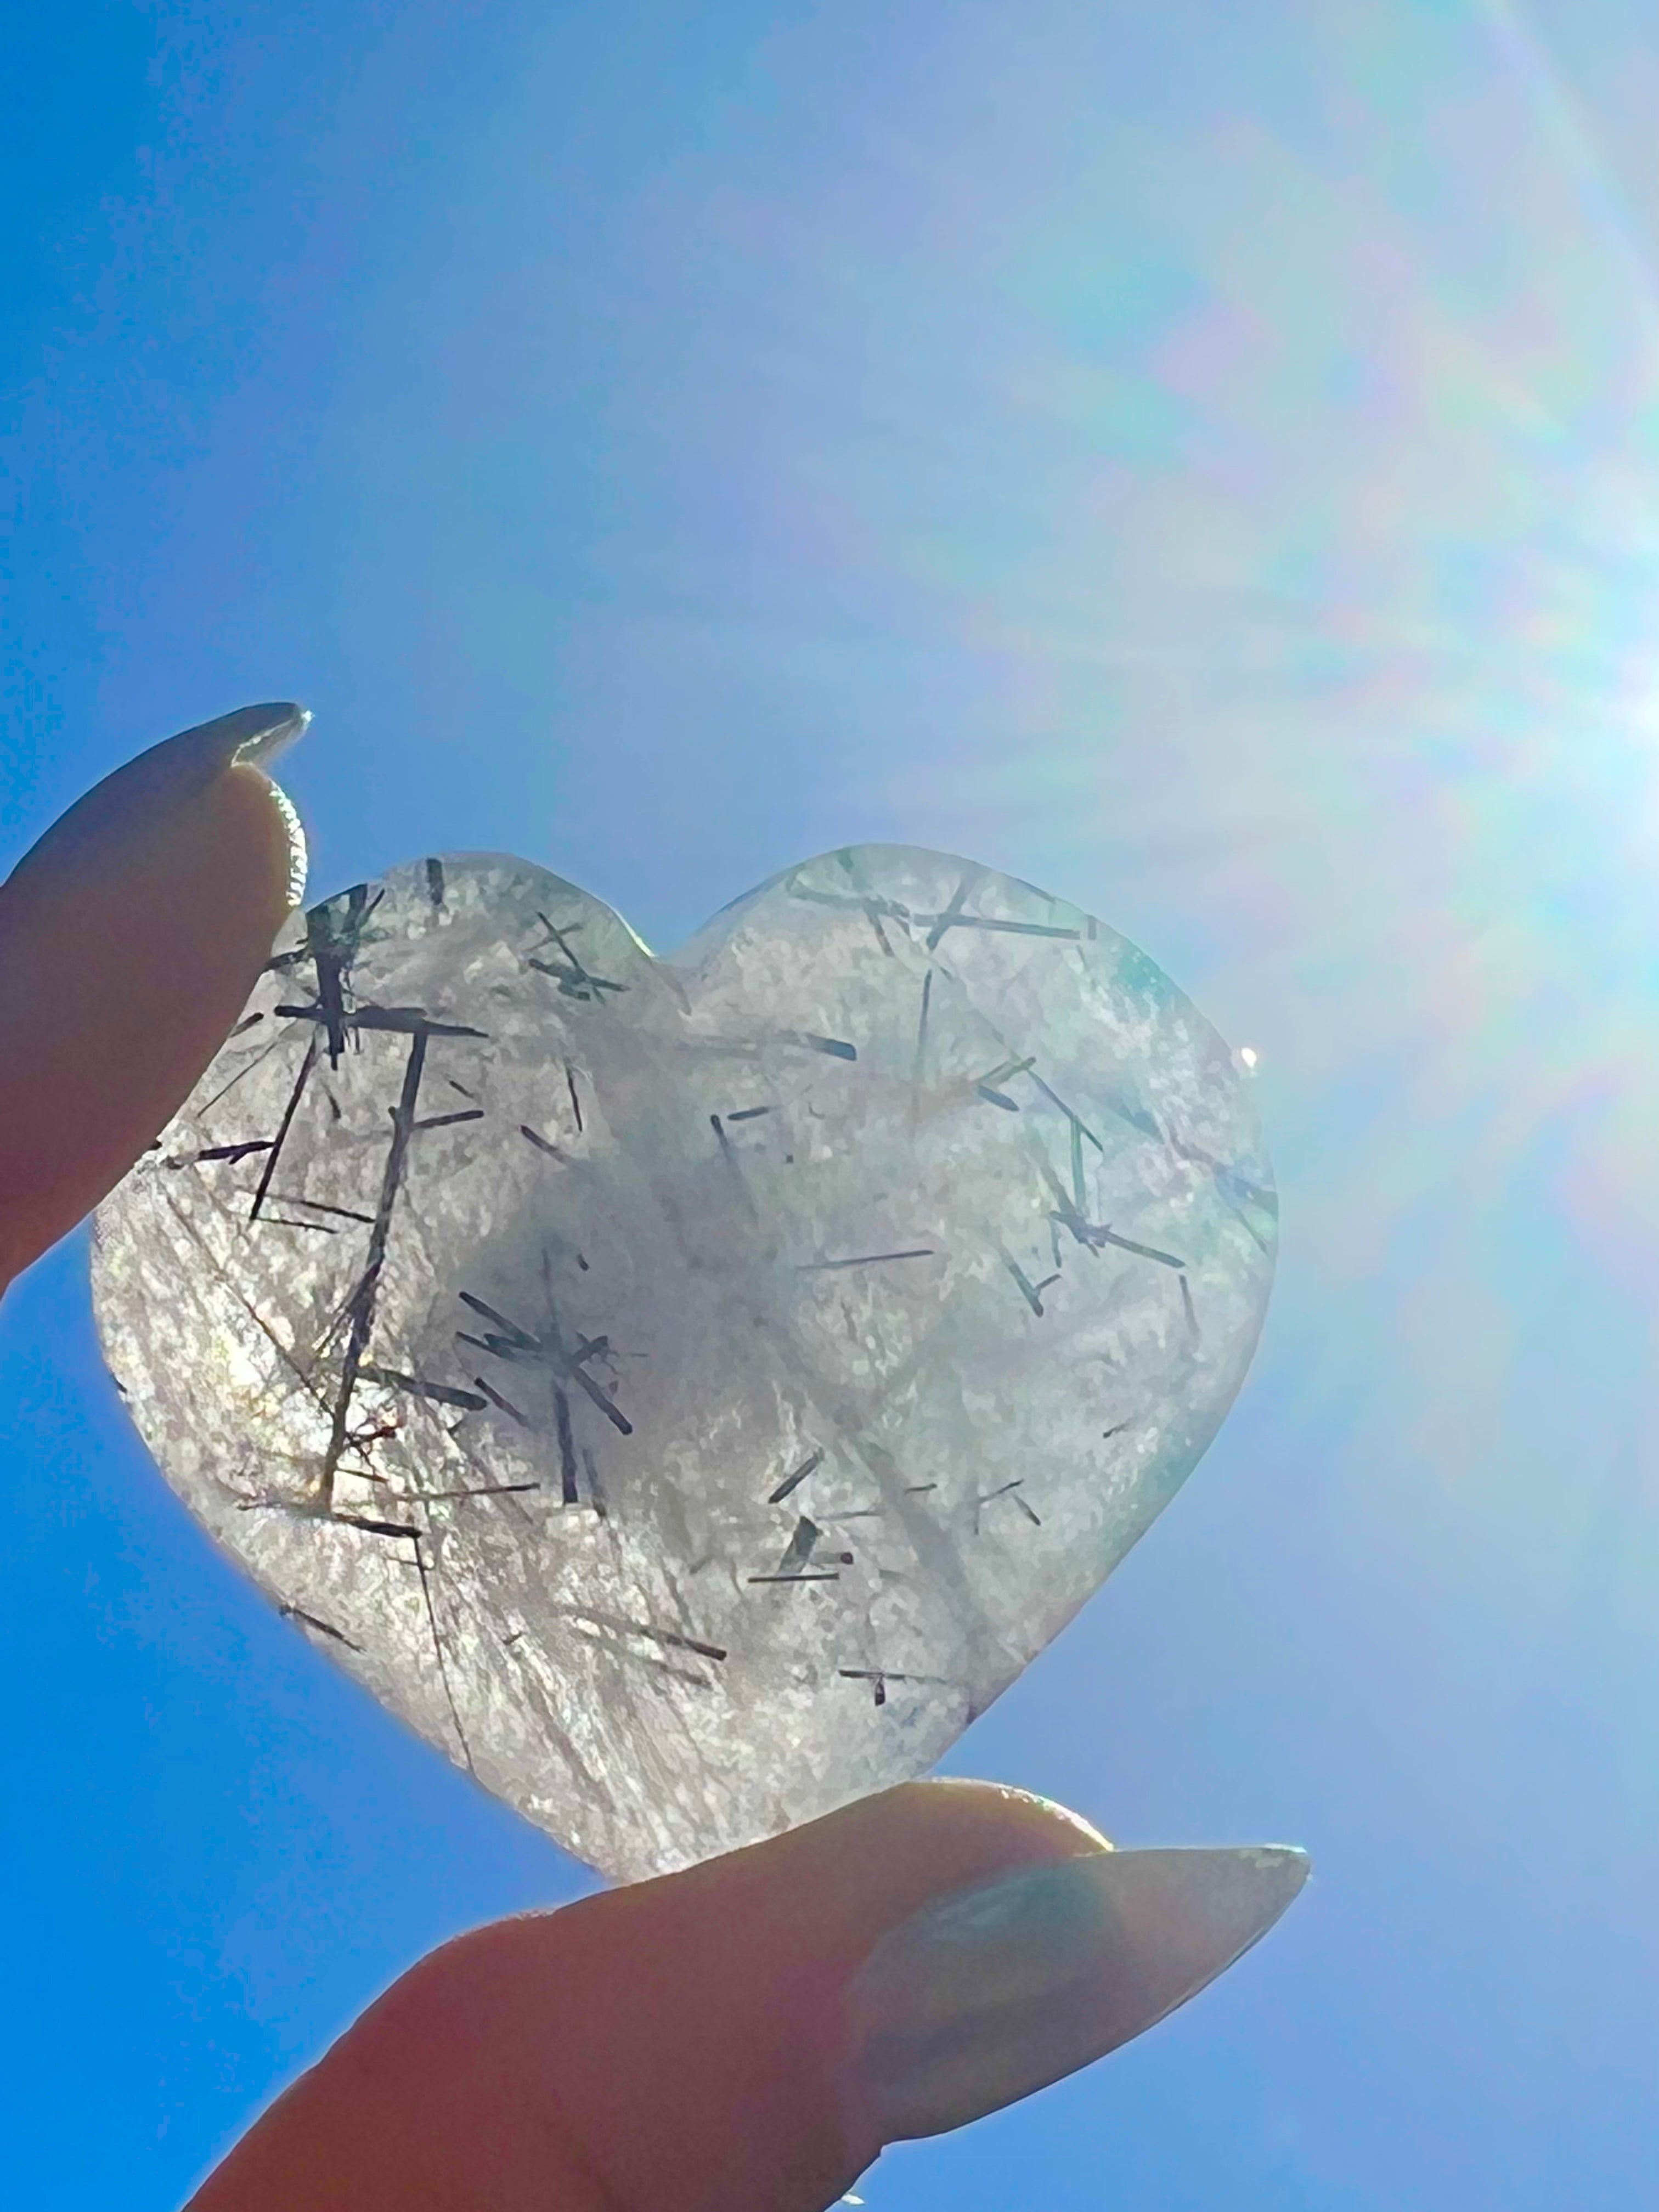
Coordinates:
column 748, row 2033
column 130, row 939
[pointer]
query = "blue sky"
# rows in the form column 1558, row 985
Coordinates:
column 1202, row 460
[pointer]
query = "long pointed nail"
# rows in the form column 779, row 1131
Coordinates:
column 130, row 935
column 249, row 736
column 252, row 735
column 993, row 1992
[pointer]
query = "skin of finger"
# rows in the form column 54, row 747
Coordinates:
column 128, row 948
column 676, row 2042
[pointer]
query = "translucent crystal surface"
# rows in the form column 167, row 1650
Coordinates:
column 687, row 1391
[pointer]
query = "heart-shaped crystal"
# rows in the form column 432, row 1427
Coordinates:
column 688, row 1392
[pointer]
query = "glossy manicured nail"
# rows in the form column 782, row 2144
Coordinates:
column 251, row 737
column 993, row 1992
column 254, row 736
column 130, row 935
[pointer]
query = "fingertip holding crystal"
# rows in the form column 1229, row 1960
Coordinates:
column 103, row 821
column 248, row 737
column 254, row 737
column 993, row 1992
column 257, row 736
column 134, row 929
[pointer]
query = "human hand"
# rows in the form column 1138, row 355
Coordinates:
column 745, row 2035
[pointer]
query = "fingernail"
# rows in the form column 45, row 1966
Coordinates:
column 993, row 1992
column 251, row 737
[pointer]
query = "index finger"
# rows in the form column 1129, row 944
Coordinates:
column 130, row 936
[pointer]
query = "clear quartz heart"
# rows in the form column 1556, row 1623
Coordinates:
column 687, row 1392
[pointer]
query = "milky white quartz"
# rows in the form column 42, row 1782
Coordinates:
column 687, row 1391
